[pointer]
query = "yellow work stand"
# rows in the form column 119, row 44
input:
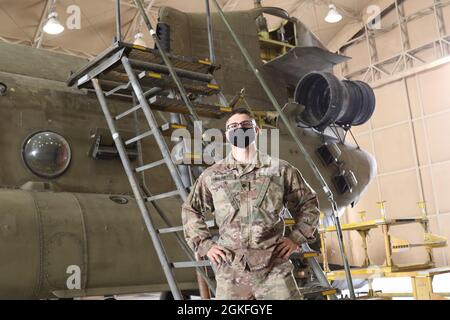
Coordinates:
column 421, row 280
column 421, row 274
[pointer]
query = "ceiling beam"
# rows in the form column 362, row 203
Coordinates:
column 126, row 3
column 14, row 41
column 130, row 3
column 132, row 25
column 296, row 8
column 230, row 5
column 39, row 34
column 352, row 28
column 137, row 21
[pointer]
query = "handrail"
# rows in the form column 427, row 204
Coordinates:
column 166, row 60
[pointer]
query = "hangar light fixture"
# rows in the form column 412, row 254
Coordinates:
column 333, row 15
column 139, row 40
column 53, row 26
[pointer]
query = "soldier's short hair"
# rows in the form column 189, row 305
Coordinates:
column 241, row 111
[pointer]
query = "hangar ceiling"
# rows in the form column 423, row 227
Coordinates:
column 20, row 21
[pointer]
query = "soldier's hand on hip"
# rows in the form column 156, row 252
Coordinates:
column 285, row 248
column 216, row 255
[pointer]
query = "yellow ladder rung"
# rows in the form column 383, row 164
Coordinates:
column 329, row 292
column 213, row 86
column 207, row 62
column 178, row 126
column 154, row 75
column 138, row 47
column 289, row 222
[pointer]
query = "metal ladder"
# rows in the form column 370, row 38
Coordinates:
column 129, row 71
column 154, row 131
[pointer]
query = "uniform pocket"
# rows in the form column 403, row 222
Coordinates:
column 225, row 203
column 267, row 218
column 270, row 200
column 224, row 214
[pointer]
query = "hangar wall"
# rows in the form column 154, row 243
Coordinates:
column 407, row 63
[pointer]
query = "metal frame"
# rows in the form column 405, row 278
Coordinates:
column 442, row 47
column 403, row 61
column 317, row 269
column 230, row 5
column 421, row 274
column 170, row 229
column 181, row 191
column 39, row 34
column 118, row 37
column 418, row 119
column 168, row 271
column 154, row 128
column 212, row 56
column 136, row 23
column 166, row 60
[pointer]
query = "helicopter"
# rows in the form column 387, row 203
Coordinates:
column 69, row 224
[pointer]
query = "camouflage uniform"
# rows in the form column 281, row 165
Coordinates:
column 246, row 202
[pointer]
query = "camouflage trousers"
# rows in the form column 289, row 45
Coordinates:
column 276, row 283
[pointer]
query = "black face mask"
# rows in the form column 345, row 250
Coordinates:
column 242, row 138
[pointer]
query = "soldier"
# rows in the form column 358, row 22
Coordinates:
column 247, row 193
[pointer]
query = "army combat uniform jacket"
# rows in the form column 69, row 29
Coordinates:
column 247, row 203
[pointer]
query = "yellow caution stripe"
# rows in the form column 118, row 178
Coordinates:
column 207, row 62
column 226, row 109
column 289, row 222
column 329, row 292
column 213, row 86
column 154, row 75
column 178, row 126
column 138, row 47
column 310, row 254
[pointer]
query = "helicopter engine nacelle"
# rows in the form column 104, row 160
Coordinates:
column 328, row 100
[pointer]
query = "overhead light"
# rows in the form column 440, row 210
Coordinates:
column 139, row 40
column 53, row 26
column 333, row 15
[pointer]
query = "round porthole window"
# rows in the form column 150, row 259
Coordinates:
column 3, row 89
column 46, row 154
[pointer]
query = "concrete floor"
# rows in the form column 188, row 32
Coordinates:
column 441, row 283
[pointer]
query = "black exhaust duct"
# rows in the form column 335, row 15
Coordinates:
column 163, row 33
column 328, row 100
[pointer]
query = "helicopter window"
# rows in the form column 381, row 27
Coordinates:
column 47, row 154
column 3, row 89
